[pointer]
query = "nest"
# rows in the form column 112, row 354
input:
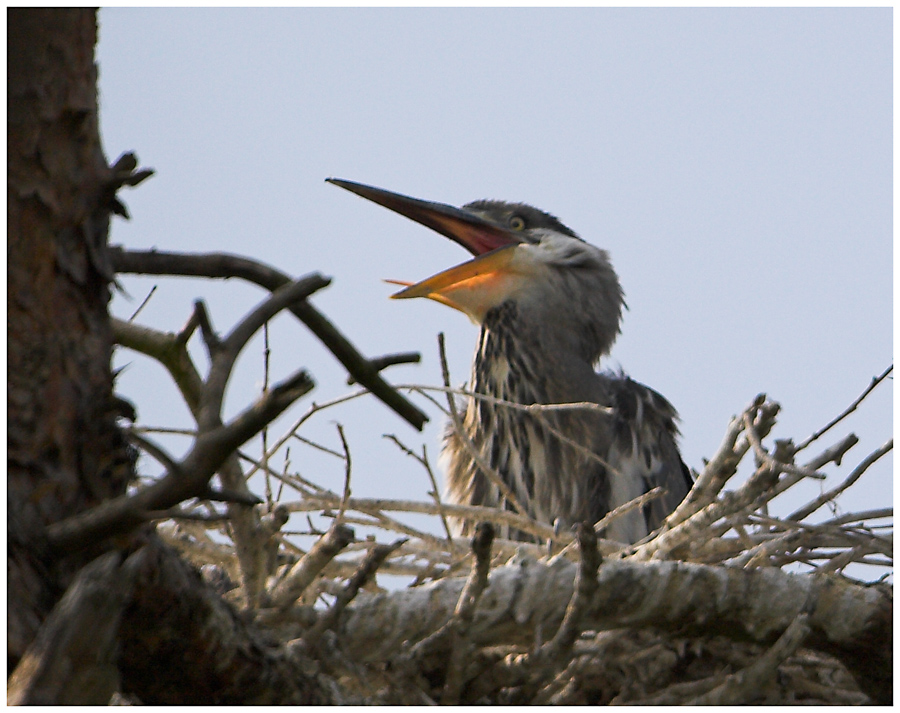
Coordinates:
column 312, row 588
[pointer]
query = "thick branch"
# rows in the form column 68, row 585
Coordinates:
column 848, row 621
column 229, row 661
column 72, row 660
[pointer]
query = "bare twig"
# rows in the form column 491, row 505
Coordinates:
column 435, row 492
column 494, row 401
column 769, row 460
column 715, row 474
column 367, row 568
column 618, row 512
column 169, row 350
column 470, row 512
column 348, row 467
column 383, row 362
column 211, row 338
column 478, row 576
column 158, row 452
column 264, row 433
column 225, row 356
column 186, row 332
column 585, row 588
column 861, row 516
column 317, row 446
column 834, row 453
column 208, row 453
column 313, row 409
column 219, row 265
column 226, row 495
column 179, row 514
column 143, row 303
column 850, row 409
column 830, row 495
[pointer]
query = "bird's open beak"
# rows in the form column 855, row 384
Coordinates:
column 475, row 234
column 472, row 287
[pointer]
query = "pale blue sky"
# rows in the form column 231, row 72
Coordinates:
column 737, row 164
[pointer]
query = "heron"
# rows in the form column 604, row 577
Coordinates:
column 549, row 306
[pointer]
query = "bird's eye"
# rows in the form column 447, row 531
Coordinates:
column 517, row 222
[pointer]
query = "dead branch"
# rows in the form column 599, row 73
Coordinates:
column 230, row 661
column 774, row 464
column 435, row 491
column 723, row 465
column 171, row 351
column 304, row 572
column 472, row 512
column 512, row 638
column 194, row 471
column 220, row 265
column 855, row 474
column 367, row 568
column 745, row 686
column 383, row 362
column 226, row 354
column 848, row 621
column 876, row 380
column 461, row 649
column 584, row 590
column 72, row 659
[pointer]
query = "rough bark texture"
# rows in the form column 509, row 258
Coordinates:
column 73, row 658
column 65, row 452
column 850, row 622
column 219, row 657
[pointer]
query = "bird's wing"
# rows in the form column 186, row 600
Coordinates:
column 642, row 454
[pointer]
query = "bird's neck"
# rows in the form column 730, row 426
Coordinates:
column 516, row 362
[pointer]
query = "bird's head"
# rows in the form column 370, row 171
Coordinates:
column 559, row 283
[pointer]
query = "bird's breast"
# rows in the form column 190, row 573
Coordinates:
column 523, row 449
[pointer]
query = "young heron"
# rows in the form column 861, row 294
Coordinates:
column 549, row 305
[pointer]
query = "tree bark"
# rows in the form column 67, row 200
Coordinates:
column 198, row 650
column 65, row 452
column 850, row 622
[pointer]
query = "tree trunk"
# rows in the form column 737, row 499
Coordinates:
column 65, row 452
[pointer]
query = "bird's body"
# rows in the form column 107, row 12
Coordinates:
column 549, row 305
column 564, row 466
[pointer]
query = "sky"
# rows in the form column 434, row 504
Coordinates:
column 736, row 164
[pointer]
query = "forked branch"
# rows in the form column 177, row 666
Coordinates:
column 221, row 265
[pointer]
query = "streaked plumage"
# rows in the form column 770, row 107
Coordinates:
column 550, row 307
